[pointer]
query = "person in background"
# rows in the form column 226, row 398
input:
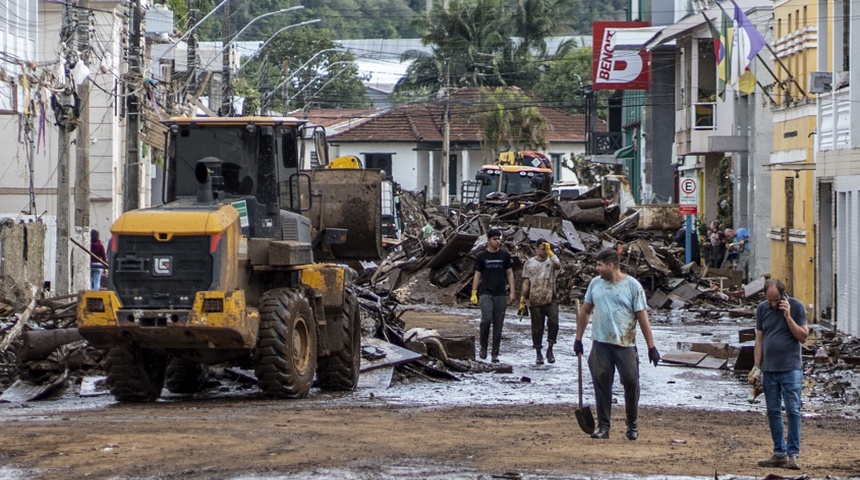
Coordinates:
column 96, row 268
column 493, row 267
column 780, row 329
column 617, row 302
column 538, row 289
column 680, row 239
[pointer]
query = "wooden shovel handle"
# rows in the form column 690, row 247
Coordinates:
column 579, row 377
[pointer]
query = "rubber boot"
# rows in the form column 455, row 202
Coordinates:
column 539, row 357
column 549, row 356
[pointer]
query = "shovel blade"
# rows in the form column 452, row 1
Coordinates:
column 585, row 419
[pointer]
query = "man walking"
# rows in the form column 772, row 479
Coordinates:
column 539, row 275
column 780, row 329
column 493, row 267
column 617, row 302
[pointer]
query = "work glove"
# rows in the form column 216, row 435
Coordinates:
column 754, row 376
column 474, row 298
column 549, row 251
column 577, row 347
column 653, row 356
column 522, row 305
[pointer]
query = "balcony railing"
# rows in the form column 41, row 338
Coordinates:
column 603, row 143
column 834, row 122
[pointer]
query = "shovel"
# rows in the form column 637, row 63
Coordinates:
column 583, row 414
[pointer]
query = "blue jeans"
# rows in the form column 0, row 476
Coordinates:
column 783, row 387
column 96, row 278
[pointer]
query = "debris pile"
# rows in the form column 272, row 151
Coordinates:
column 434, row 262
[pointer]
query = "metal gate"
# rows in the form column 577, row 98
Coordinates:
column 847, row 268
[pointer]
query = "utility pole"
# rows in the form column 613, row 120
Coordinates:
column 264, row 86
column 192, row 47
column 446, row 140
column 226, row 84
column 64, row 112
column 82, row 147
column 131, row 198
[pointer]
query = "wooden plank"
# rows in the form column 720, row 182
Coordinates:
column 716, row 350
column 683, row 358
column 685, row 292
column 378, row 378
column 394, row 355
column 658, row 300
column 754, row 287
column 712, row 362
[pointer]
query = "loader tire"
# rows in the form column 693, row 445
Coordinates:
column 185, row 376
column 135, row 374
column 339, row 370
column 286, row 356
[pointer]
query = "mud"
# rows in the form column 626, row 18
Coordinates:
column 693, row 423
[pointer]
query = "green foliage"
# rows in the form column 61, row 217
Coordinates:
column 484, row 43
column 510, row 121
column 241, row 88
column 563, row 77
column 724, row 192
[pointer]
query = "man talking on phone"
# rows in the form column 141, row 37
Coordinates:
column 780, row 329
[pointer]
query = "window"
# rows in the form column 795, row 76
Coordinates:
column 381, row 161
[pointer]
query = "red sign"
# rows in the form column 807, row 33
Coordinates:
column 688, row 209
column 617, row 69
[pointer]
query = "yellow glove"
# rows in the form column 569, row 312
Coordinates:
column 474, row 298
column 754, row 376
column 549, row 251
column 522, row 304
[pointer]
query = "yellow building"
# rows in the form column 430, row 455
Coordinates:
column 792, row 231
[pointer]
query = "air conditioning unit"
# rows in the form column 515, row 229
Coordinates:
column 820, row 82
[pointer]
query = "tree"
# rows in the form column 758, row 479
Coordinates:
column 315, row 73
column 509, row 120
column 563, row 78
column 483, row 43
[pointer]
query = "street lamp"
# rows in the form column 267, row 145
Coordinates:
column 230, row 43
column 254, row 55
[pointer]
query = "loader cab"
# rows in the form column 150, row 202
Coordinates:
column 512, row 179
column 254, row 164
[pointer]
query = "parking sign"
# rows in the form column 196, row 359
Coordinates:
column 688, row 193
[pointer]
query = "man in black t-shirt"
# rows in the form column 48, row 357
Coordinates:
column 493, row 267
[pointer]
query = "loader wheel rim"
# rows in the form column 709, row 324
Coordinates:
column 301, row 346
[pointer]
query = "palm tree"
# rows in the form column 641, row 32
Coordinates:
column 510, row 121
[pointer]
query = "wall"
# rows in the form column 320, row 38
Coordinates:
column 22, row 258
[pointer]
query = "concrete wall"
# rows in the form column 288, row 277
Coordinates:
column 22, row 259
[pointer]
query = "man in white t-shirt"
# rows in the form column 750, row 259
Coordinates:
column 538, row 291
column 617, row 303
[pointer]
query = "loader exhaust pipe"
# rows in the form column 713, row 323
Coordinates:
column 206, row 180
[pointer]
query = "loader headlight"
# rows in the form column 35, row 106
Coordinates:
column 95, row 304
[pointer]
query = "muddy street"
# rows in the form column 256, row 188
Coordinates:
column 693, row 423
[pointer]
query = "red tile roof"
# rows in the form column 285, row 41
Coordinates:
column 424, row 122
column 332, row 117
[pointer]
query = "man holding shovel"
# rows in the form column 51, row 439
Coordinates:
column 617, row 302
column 539, row 274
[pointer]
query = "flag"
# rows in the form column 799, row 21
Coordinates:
column 720, row 55
column 746, row 45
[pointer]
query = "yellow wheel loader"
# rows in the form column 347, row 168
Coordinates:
column 224, row 270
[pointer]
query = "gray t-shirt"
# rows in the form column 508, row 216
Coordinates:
column 780, row 350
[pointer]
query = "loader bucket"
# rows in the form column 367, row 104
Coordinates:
column 350, row 199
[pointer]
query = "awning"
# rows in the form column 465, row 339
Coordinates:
column 625, row 153
column 648, row 38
